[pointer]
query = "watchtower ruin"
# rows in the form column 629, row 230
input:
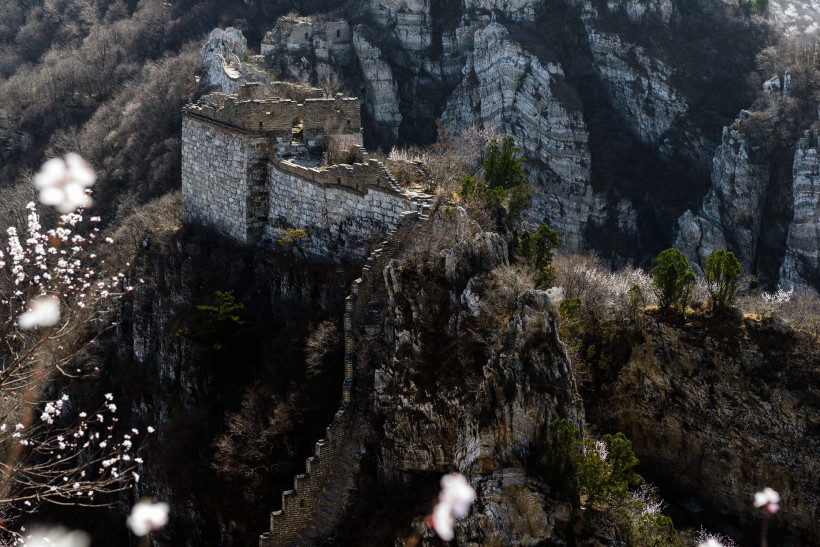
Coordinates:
column 242, row 174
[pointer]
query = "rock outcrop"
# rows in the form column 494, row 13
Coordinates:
column 801, row 266
column 638, row 85
column 381, row 90
column 730, row 217
column 509, row 89
column 224, row 59
column 474, row 373
column 717, row 409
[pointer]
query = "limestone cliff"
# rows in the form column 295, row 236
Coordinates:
column 731, row 215
column 507, row 88
column 381, row 90
column 471, row 373
column 716, row 410
column 224, row 61
column 618, row 105
column 801, row 266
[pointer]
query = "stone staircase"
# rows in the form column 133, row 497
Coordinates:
column 320, row 497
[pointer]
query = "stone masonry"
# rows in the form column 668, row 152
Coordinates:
column 238, row 178
column 320, row 497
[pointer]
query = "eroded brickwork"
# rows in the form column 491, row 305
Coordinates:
column 341, row 203
column 276, row 117
column 218, row 179
column 235, row 180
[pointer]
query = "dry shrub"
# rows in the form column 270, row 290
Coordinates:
column 342, row 148
column 604, row 295
column 164, row 214
column 450, row 159
column 257, row 441
column 501, row 291
column 802, row 311
column 406, row 164
column 799, row 308
column 320, row 343
column 450, row 225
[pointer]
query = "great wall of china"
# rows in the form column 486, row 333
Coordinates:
column 236, row 178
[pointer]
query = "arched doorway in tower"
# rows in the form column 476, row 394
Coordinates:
column 298, row 130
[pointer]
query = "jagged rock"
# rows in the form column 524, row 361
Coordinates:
column 638, row 10
column 509, row 89
column 638, row 85
column 480, row 254
column 515, row 505
column 730, row 217
column 222, row 61
column 471, row 381
column 411, row 22
column 382, row 101
column 801, row 266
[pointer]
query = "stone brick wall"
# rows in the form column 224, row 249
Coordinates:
column 222, row 185
column 234, row 180
column 340, row 204
column 276, row 117
column 314, row 507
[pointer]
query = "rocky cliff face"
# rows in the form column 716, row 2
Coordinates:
column 618, row 105
column 381, row 91
column 731, row 215
column 171, row 380
column 473, row 374
column 716, row 410
column 507, row 88
column 801, row 266
column 224, row 61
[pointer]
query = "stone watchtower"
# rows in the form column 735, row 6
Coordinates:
column 241, row 177
column 230, row 142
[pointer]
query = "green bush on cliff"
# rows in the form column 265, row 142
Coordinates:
column 653, row 530
column 217, row 327
column 503, row 181
column 722, row 271
column 599, row 472
column 672, row 280
column 537, row 251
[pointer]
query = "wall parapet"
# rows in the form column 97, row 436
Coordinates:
column 279, row 116
column 356, row 176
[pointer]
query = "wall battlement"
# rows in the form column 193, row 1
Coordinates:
column 279, row 116
column 238, row 179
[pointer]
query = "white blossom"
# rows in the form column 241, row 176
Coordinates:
column 769, row 499
column 43, row 311
column 454, row 501
column 147, row 517
column 57, row 537
column 63, row 183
